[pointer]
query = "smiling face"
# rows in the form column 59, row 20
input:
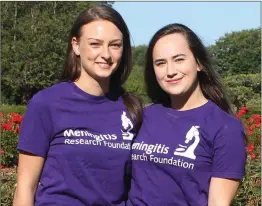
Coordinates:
column 174, row 64
column 100, row 48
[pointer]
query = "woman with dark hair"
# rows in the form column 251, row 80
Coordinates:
column 75, row 139
column 190, row 149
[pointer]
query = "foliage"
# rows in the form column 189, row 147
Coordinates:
column 139, row 55
column 250, row 190
column 135, row 83
column 234, row 53
column 238, row 52
column 8, row 181
column 34, row 40
column 244, row 89
column 35, row 35
column 10, row 128
column 13, row 108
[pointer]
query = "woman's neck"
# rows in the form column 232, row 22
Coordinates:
column 91, row 85
column 189, row 101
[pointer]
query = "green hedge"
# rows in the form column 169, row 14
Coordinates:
column 13, row 108
column 8, row 181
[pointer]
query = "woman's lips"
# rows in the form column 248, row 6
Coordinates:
column 104, row 65
column 174, row 81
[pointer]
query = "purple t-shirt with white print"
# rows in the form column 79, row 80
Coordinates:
column 86, row 141
column 176, row 153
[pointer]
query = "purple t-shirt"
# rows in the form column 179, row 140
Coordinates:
column 176, row 153
column 86, row 141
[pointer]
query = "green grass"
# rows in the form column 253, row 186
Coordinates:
column 13, row 108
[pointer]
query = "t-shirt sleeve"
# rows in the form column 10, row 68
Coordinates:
column 230, row 152
column 36, row 128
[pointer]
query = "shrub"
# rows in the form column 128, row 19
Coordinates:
column 8, row 181
column 244, row 89
column 135, row 84
column 13, row 108
column 250, row 189
column 10, row 127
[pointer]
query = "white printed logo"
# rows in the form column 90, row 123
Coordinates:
column 188, row 151
column 127, row 127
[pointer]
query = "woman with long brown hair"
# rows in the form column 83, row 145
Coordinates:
column 75, row 139
column 190, row 150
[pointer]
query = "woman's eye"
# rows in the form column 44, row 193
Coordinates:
column 179, row 60
column 160, row 63
column 94, row 44
column 116, row 45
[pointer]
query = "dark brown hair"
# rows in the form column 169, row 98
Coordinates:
column 72, row 70
column 209, row 81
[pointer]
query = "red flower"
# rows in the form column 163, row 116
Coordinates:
column 249, row 132
column 1, row 166
column 253, row 156
column 7, row 127
column 12, row 114
column 246, row 127
column 242, row 111
column 2, row 151
column 250, row 148
column 256, row 117
column 245, row 109
column 240, row 114
column 16, row 118
column 17, row 130
column 257, row 125
column 250, row 120
column 252, row 127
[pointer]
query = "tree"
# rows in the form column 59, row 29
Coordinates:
column 238, row 52
column 34, row 40
column 135, row 83
column 244, row 90
column 139, row 55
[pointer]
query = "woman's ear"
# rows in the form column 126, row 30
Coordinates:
column 75, row 46
column 199, row 67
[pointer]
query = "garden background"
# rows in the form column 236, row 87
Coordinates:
column 34, row 39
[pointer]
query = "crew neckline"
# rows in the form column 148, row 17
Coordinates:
column 101, row 98
column 190, row 112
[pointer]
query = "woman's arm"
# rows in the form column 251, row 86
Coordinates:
column 222, row 191
column 29, row 170
column 34, row 142
column 229, row 158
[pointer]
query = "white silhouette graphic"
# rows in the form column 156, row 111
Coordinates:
column 189, row 152
column 127, row 127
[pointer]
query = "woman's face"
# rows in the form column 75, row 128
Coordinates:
column 100, row 48
column 174, row 64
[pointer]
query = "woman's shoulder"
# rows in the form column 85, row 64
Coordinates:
column 224, row 120
column 49, row 94
column 152, row 109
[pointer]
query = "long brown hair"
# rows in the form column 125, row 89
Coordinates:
column 209, row 81
column 72, row 69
